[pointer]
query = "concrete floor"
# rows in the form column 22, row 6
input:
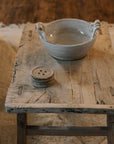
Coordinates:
column 8, row 49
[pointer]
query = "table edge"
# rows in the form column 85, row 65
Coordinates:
column 58, row 108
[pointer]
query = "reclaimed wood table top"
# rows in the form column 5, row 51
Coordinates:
column 81, row 86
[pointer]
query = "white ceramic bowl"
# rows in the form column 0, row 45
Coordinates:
column 68, row 39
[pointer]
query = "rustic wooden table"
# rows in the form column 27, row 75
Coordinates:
column 82, row 86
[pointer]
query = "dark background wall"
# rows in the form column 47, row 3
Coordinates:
column 21, row 11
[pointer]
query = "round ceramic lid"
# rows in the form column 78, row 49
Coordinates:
column 42, row 73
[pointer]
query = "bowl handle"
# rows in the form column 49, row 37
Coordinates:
column 41, row 30
column 96, row 26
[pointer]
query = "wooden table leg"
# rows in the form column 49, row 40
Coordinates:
column 110, row 124
column 21, row 128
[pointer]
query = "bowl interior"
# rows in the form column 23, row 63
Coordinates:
column 68, row 32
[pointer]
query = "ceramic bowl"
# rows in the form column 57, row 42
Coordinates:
column 68, row 39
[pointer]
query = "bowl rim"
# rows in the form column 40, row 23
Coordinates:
column 69, row 19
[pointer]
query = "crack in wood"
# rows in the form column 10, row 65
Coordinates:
column 112, row 91
column 102, row 102
column 21, row 45
column 72, row 92
column 14, row 72
column 50, row 99
column 34, row 100
column 40, row 97
column 71, row 81
column 50, row 94
column 20, row 90
column 97, row 80
column 96, row 88
column 98, row 102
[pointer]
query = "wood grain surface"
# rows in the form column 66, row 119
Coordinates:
column 86, row 85
column 47, row 10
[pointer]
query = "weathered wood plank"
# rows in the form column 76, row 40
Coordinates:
column 110, row 124
column 21, row 128
column 66, row 131
column 59, row 108
column 89, row 81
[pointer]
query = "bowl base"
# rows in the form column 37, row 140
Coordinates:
column 68, row 59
